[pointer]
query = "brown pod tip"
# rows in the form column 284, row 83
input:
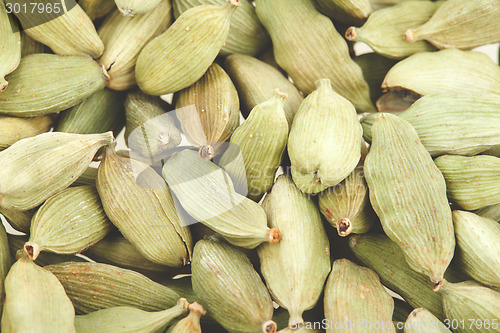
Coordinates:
column 32, row 250
column 269, row 327
column 206, row 152
column 344, row 227
column 235, row 3
column 283, row 95
column 197, row 308
column 185, row 304
column 409, row 36
column 438, row 285
column 273, row 235
column 3, row 84
column 351, row 34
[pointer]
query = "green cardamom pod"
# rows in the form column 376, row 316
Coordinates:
column 345, row 11
column 312, row 51
column 19, row 220
column 396, row 100
column 471, row 182
column 5, row 262
column 136, row 7
column 230, row 289
column 207, row 194
column 190, row 324
column 34, row 169
column 49, row 83
column 355, row 294
column 31, row 46
column 10, row 45
column 97, row 8
column 324, row 144
column 401, row 310
column 492, row 212
column 421, row 320
column 181, row 55
column 88, row 177
column 408, row 198
column 374, row 67
column 13, row 129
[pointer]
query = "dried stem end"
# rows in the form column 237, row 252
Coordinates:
column 269, row 327
column 273, row 235
column 32, row 250
column 438, row 286
column 409, row 37
column 351, row 34
column 344, row 227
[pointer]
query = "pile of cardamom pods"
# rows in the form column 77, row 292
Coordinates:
column 237, row 166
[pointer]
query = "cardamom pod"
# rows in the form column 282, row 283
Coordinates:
column 137, row 201
column 471, row 182
column 246, row 33
column 460, row 24
column 324, row 144
column 10, row 44
column 5, row 262
column 31, row 46
column 421, row 320
column 396, row 100
column 374, row 67
column 97, row 8
column 34, row 169
column 408, row 198
column 88, row 177
column 401, row 310
column 13, row 129
column 312, row 51
column 385, row 27
column 355, row 294
column 124, row 37
column 230, row 289
column 66, row 32
column 128, row 319
column 190, row 324
column 19, row 220
column 35, row 301
column 207, row 194
column 181, row 55
column 492, row 212
column 345, row 11
column 48, row 83
column 136, row 7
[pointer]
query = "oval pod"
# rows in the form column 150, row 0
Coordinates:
column 136, row 7
column 10, row 44
column 345, row 11
column 13, row 129
column 97, row 8
column 190, row 324
column 421, row 320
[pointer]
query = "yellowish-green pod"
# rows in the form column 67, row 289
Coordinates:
column 445, row 71
column 190, row 324
column 324, row 144
column 478, row 247
column 230, row 289
column 261, row 141
column 13, row 129
column 19, row 220
column 470, row 303
column 48, row 83
column 355, row 294
column 408, row 193
column 421, row 320
column 136, row 7
column 461, row 24
column 5, row 262
column 97, row 8
column 35, row 301
column 345, row 11
column 31, row 46
column 34, row 169
column 471, row 182
column 246, row 34
column 68, row 223
column 209, row 110
column 128, row 319
column 307, row 46
column 88, row 177
column 384, row 28
column 139, row 203
column 10, row 45
column 65, row 31
column 374, row 67
column 295, row 284
column 181, row 55
column 492, row 212
column 256, row 82
column 124, row 37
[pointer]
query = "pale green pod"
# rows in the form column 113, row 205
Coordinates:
column 355, row 294
column 261, row 140
column 191, row 323
column 181, row 55
column 94, row 286
column 312, row 51
column 477, row 307
column 34, row 169
column 68, row 223
column 136, row 7
column 66, row 32
column 256, row 82
column 209, row 110
column 495, row 151
column 19, row 220
column 128, row 319
column 5, row 262
column 35, row 301
column 97, row 8
column 384, row 29
column 478, row 247
column 492, row 212
column 13, row 129
column 230, row 289
column 324, row 144
column 461, row 24
column 31, row 46
column 124, row 37
column 408, row 193
column 471, row 182
column 421, row 320
column 374, row 67
column 345, row 11
column 246, row 33
column 88, row 177
column 10, row 45
column 445, row 71
column 48, row 83
column 100, row 112
column 139, row 203
column 207, row 193
column 295, row 284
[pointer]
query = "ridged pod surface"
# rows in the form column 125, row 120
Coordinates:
column 97, row 8
column 181, row 55
column 346, row 11
column 384, row 29
column 136, row 7
column 230, row 289
column 295, row 284
column 471, row 182
column 324, row 144
column 408, row 193
column 48, row 83
column 191, row 323
column 461, row 24
column 421, row 320
column 374, row 67
column 13, row 129
column 10, row 45
column 492, row 212
column 5, row 262
column 355, row 294
column 34, row 169
column 19, row 220
column 246, row 34
column 307, row 46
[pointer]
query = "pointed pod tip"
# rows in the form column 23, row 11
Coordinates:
column 235, row 3
column 409, row 36
column 351, row 34
column 182, row 302
column 3, row 84
column 344, row 227
column 32, row 250
column 323, row 83
column 353, row 241
column 273, row 235
column 281, row 94
column 438, row 285
column 269, row 327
